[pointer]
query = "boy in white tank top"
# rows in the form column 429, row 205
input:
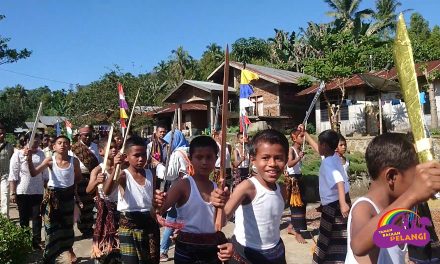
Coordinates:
column 398, row 182
column 138, row 230
column 105, row 239
column 258, row 203
column 197, row 241
column 59, row 199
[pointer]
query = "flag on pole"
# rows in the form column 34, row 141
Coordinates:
column 246, row 91
column 68, row 129
column 122, row 106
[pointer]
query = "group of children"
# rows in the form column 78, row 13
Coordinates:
column 130, row 210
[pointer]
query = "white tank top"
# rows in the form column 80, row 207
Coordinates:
column 393, row 255
column 257, row 225
column 59, row 177
column 245, row 163
column 113, row 196
column 137, row 198
column 297, row 168
column 227, row 158
column 197, row 214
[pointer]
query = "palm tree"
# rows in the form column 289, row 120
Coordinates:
column 346, row 12
column 386, row 17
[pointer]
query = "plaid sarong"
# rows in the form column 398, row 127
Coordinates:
column 332, row 240
column 139, row 237
column 58, row 206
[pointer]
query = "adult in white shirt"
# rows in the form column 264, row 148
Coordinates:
column 27, row 191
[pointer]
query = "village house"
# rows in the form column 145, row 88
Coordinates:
column 359, row 109
column 275, row 102
column 196, row 103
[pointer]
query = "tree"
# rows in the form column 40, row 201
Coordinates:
column 250, row 50
column 8, row 55
column 419, row 26
column 211, row 59
column 13, row 111
column 346, row 12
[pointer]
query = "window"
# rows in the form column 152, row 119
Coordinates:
column 344, row 110
column 324, row 112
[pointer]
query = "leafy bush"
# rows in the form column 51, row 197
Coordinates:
column 15, row 242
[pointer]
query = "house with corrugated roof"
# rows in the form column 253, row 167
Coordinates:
column 274, row 98
column 359, row 110
column 196, row 103
column 275, row 103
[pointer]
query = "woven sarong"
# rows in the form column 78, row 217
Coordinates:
column 246, row 255
column 58, row 222
column 105, row 236
column 332, row 240
column 85, row 224
column 139, row 238
column 198, row 248
column 298, row 213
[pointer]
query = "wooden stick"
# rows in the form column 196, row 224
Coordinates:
column 34, row 128
column 220, row 212
column 118, row 167
column 107, row 151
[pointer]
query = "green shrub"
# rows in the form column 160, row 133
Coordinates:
column 358, row 166
column 15, row 242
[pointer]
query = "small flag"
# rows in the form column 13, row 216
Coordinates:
column 122, row 106
column 246, row 91
column 68, row 129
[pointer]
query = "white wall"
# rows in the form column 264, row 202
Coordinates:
column 397, row 113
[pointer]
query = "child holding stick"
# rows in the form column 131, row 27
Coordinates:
column 197, row 242
column 138, row 230
column 105, row 237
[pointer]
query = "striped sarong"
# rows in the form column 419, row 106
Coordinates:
column 85, row 224
column 57, row 209
column 139, row 237
column 332, row 240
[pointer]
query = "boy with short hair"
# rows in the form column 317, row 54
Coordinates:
column 398, row 181
column 198, row 241
column 105, row 237
column 335, row 200
column 138, row 230
column 59, row 199
column 258, row 203
column 341, row 150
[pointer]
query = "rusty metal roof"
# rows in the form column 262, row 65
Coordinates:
column 272, row 75
column 355, row 80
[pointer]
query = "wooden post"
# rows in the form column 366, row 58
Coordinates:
column 220, row 212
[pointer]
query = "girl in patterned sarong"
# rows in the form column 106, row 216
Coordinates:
column 105, row 236
column 58, row 202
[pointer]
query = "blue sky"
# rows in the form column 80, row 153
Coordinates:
column 78, row 41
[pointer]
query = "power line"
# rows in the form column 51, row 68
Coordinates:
column 36, row 77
